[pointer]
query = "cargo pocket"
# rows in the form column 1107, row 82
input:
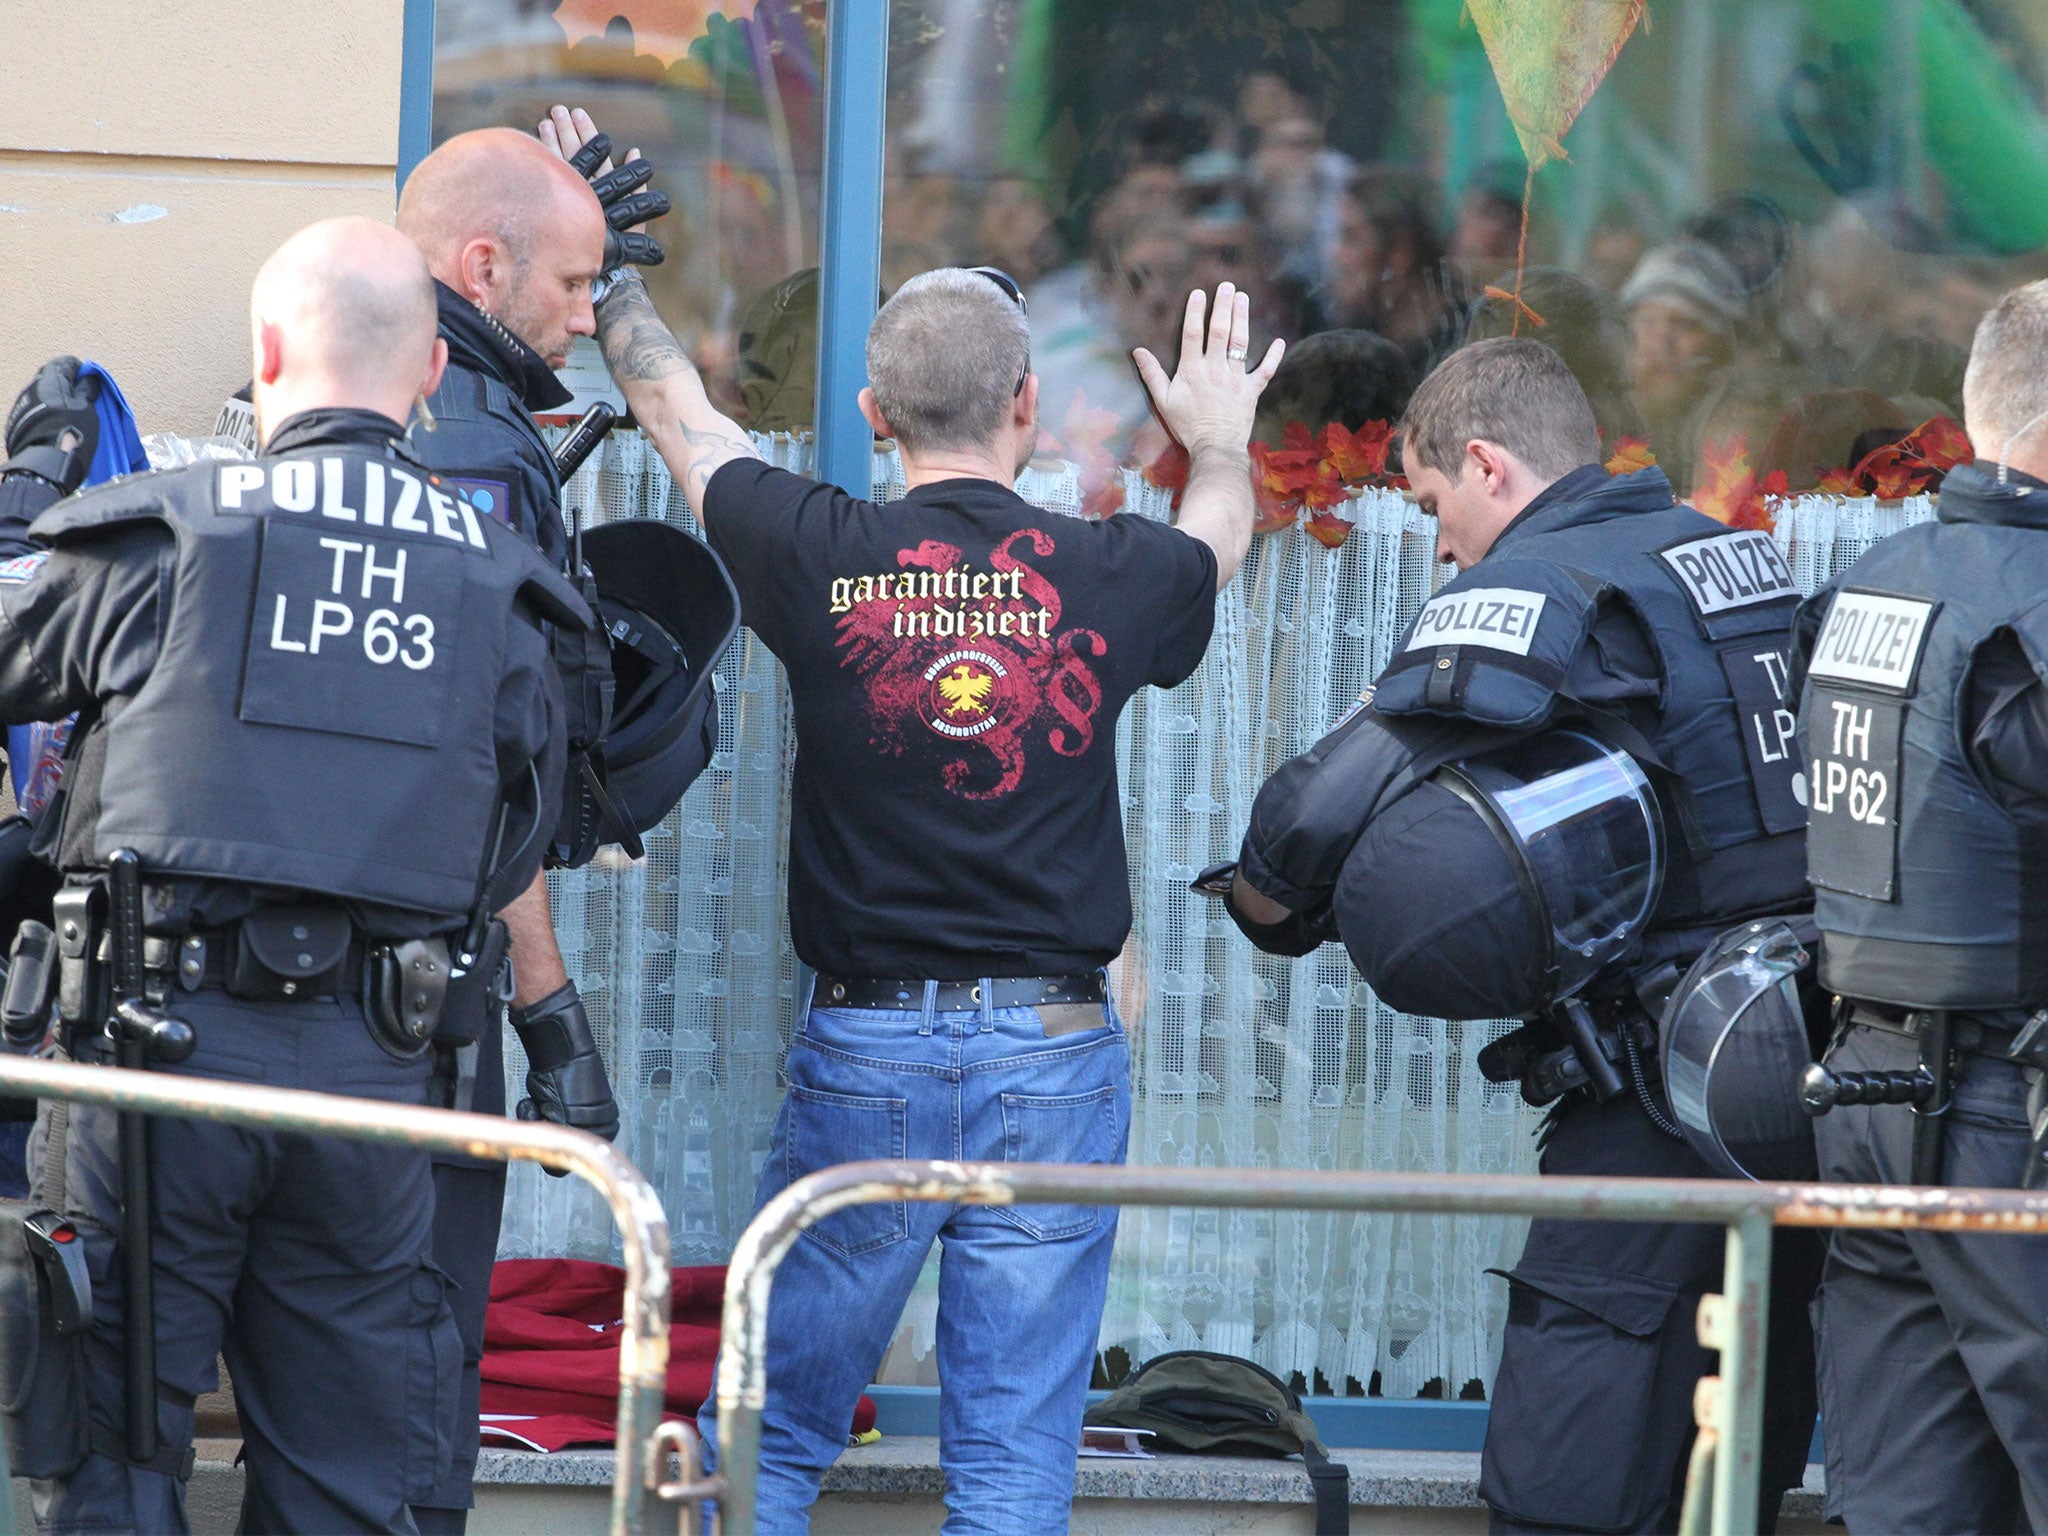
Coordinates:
column 828, row 1128
column 1061, row 1128
column 1592, row 1408
column 433, row 1383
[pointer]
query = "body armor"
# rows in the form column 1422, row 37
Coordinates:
column 1501, row 646
column 1927, row 892
column 339, row 618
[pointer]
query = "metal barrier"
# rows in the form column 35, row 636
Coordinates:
column 639, row 1485
column 1721, row 1494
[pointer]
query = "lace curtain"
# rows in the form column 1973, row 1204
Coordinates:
column 1240, row 1059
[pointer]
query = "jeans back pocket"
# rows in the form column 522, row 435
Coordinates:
column 1059, row 1128
column 828, row 1128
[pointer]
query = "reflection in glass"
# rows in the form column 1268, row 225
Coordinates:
column 1777, row 228
column 726, row 101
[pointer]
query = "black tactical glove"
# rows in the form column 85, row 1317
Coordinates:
column 625, row 205
column 565, row 1080
column 56, row 401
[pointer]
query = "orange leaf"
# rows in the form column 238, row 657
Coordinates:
column 1359, row 456
column 1296, row 437
column 1330, row 530
column 1776, row 484
column 1104, row 498
column 1940, row 444
column 1277, row 508
column 1169, row 471
column 1838, row 482
column 1630, row 454
column 1322, row 490
column 1727, row 485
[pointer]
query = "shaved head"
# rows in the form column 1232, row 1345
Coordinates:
column 342, row 314
column 494, row 182
column 509, row 225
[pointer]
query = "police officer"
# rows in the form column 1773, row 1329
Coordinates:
column 1926, row 729
column 515, row 239
column 1595, row 624
column 317, row 701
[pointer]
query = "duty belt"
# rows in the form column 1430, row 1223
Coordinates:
column 960, row 996
column 1968, row 1035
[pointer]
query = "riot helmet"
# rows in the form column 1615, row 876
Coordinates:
column 1734, row 1042
column 1505, row 882
column 669, row 609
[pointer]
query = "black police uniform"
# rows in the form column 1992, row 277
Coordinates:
column 1926, row 730
column 484, row 439
column 313, row 689
column 1601, row 604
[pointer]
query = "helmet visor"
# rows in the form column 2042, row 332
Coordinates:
column 1734, row 1044
column 1585, row 825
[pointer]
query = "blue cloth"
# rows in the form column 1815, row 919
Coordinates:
column 120, row 452
column 1021, row 1287
column 120, row 449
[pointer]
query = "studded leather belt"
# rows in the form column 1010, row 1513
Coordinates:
column 959, row 996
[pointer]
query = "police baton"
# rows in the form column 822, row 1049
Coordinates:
column 141, row 1035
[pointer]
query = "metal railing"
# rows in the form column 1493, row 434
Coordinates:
column 1721, row 1494
column 1722, row 1491
column 639, row 1484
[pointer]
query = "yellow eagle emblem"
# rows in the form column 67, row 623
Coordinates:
column 966, row 689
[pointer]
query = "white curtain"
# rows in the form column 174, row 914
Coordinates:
column 1241, row 1059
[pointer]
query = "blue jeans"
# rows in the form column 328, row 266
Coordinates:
column 1021, row 1287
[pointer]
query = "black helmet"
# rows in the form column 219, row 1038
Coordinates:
column 1734, row 1040
column 1506, row 882
column 670, row 610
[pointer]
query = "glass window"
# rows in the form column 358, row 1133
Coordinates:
column 1772, row 232
column 683, row 957
column 727, row 103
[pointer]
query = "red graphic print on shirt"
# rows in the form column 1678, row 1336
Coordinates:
column 973, row 656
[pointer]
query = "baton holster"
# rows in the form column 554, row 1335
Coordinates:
column 45, row 1308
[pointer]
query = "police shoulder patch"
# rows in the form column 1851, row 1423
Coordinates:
column 23, row 567
column 1873, row 639
column 1731, row 570
column 1500, row 618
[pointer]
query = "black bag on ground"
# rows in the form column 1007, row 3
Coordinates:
column 45, row 1308
column 1218, row 1405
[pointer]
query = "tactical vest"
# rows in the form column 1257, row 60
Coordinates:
column 1926, row 891
column 1495, row 647
column 486, row 442
column 320, row 715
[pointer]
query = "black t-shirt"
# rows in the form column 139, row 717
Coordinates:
column 958, row 660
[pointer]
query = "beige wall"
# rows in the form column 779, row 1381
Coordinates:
column 153, row 152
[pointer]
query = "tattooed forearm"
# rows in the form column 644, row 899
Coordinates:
column 638, row 346
column 711, row 449
column 664, row 390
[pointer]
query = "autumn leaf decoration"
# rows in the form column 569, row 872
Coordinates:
column 1730, row 491
column 1630, row 454
column 1316, row 472
column 1915, row 464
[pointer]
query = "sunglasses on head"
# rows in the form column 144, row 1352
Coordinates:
column 1015, row 294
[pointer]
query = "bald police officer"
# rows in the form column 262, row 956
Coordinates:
column 514, row 238
column 1926, row 729
column 1593, row 618
column 316, row 699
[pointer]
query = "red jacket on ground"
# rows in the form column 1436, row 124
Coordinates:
column 551, row 1350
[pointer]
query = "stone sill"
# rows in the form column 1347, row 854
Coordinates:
column 908, row 1466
